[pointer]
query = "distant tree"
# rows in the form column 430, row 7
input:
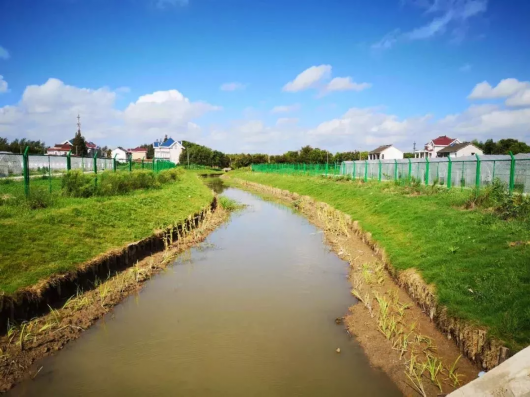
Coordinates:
column 408, row 155
column 489, row 147
column 18, row 146
column 503, row 146
column 150, row 150
column 79, row 147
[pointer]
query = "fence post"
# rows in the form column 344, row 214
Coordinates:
column 410, row 170
column 379, row 171
column 130, row 163
column 366, row 170
column 114, row 165
column 477, row 176
column 25, row 164
column 50, row 172
column 69, row 161
column 512, row 173
column 427, row 170
column 449, row 172
column 395, row 170
column 353, row 172
column 142, row 163
column 327, row 164
column 96, row 168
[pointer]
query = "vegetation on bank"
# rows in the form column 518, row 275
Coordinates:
column 38, row 241
column 474, row 249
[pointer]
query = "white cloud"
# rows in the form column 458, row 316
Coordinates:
column 364, row 128
column 521, row 98
column 504, row 89
column 388, row 40
column 232, row 86
column 308, row 78
column 345, row 84
column 451, row 13
column 286, row 120
column 286, row 108
column 465, row 68
column 123, row 90
column 48, row 112
column 436, row 26
column 4, row 54
column 3, row 84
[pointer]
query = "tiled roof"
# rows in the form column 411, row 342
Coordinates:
column 380, row 149
column 138, row 149
column 454, row 148
column 442, row 141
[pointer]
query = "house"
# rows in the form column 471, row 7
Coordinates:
column 58, row 150
column 168, row 149
column 138, row 154
column 62, row 149
column 120, row 154
column 385, row 152
column 432, row 148
column 460, row 150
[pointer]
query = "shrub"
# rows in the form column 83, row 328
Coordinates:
column 39, row 198
column 170, row 175
column 77, row 184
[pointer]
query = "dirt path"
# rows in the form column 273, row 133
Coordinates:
column 396, row 334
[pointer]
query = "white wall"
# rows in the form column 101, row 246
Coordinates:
column 469, row 150
column 172, row 154
column 391, row 153
column 121, row 155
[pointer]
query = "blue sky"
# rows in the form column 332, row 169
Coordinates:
column 265, row 75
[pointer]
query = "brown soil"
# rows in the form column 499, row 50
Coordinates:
column 25, row 344
column 370, row 279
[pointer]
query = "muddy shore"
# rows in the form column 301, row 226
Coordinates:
column 28, row 341
column 397, row 334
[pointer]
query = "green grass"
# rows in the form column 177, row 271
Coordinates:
column 35, row 244
column 478, row 274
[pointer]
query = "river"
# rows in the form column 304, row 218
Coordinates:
column 251, row 312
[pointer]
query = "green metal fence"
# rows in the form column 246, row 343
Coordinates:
column 26, row 167
column 462, row 172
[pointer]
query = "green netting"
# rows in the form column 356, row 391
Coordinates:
column 462, row 172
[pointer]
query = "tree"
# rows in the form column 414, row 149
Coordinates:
column 79, row 147
column 150, row 150
column 18, row 146
column 489, row 147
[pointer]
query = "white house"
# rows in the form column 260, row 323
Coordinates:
column 168, row 149
column 385, row 152
column 460, row 150
column 120, row 153
column 432, row 148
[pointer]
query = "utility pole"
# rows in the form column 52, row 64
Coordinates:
column 414, row 147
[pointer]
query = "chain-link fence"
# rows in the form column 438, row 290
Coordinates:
column 472, row 171
column 25, row 167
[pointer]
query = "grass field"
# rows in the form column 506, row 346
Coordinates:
column 479, row 263
column 37, row 243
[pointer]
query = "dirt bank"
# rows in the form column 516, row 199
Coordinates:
column 397, row 334
column 28, row 341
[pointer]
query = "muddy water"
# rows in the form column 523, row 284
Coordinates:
column 251, row 313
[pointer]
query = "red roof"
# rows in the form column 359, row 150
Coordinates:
column 138, row 149
column 442, row 140
column 60, row 146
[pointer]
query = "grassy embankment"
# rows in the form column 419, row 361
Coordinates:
column 36, row 243
column 478, row 261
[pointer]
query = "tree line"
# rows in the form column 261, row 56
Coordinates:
column 502, row 146
column 18, row 146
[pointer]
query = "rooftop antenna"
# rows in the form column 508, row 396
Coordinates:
column 414, row 147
